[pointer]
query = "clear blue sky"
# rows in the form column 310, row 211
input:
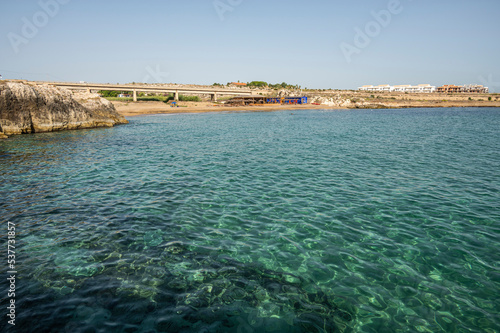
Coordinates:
column 426, row 41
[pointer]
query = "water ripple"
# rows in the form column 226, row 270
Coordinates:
column 352, row 221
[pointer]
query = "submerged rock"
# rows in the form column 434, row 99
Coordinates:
column 35, row 108
column 188, row 288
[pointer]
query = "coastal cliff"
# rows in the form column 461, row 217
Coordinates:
column 35, row 108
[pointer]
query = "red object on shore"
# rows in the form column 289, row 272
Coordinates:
column 315, row 104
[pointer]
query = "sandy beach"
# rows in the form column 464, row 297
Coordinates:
column 129, row 109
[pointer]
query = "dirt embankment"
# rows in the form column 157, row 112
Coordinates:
column 422, row 100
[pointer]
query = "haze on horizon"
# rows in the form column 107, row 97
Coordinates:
column 316, row 44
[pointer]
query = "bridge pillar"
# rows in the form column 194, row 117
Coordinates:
column 176, row 96
column 89, row 91
column 214, row 97
column 135, row 95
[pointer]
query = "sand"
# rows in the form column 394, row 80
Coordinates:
column 129, row 109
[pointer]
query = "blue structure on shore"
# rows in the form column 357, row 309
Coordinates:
column 287, row 100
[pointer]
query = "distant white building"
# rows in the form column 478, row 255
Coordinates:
column 366, row 88
column 421, row 88
column 426, row 88
column 401, row 88
column 383, row 87
column 470, row 88
column 475, row 88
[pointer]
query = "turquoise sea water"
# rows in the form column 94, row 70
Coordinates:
column 316, row 221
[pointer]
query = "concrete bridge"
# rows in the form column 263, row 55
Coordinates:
column 135, row 88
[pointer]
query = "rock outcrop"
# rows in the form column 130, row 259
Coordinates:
column 337, row 101
column 289, row 93
column 33, row 108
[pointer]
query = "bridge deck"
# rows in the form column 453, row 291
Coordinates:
column 150, row 88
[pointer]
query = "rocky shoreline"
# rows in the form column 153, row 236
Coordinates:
column 35, row 108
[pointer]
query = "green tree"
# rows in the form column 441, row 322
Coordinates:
column 111, row 93
column 257, row 84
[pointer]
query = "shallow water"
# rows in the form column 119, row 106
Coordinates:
column 316, row 221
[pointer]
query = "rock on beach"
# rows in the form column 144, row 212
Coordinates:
column 36, row 108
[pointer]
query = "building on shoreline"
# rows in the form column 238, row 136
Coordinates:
column 405, row 88
column 471, row 88
column 237, row 84
column 449, row 88
column 427, row 88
